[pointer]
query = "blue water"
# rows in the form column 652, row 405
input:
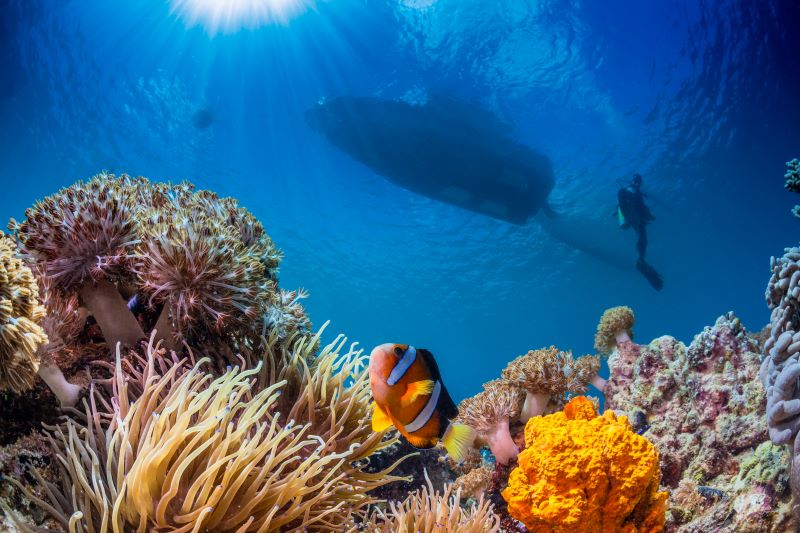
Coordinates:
column 701, row 98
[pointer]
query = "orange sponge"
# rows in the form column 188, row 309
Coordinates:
column 588, row 473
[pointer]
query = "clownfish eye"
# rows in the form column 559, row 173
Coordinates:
column 399, row 350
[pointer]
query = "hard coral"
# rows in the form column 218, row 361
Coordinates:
column 792, row 179
column 548, row 373
column 780, row 369
column 615, row 326
column 21, row 314
column 431, row 511
column 703, row 408
column 489, row 414
column 175, row 449
column 584, row 472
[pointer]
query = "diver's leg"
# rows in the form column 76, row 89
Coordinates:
column 641, row 243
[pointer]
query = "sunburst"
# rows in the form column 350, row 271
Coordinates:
column 228, row 16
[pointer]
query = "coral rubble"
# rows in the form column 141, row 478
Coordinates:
column 703, row 408
column 584, row 472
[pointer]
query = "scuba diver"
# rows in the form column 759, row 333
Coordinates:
column 632, row 212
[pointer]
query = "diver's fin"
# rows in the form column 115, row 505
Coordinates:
column 380, row 420
column 651, row 274
column 415, row 390
column 621, row 219
column 457, row 440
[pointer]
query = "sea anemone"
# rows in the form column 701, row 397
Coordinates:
column 549, row 373
column 431, row 511
column 21, row 314
column 615, row 326
column 489, row 413
column 176, row 449
column 584, row 472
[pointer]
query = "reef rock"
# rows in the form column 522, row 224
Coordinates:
column 703, row 407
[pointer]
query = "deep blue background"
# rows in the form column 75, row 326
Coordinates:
column 700, row 97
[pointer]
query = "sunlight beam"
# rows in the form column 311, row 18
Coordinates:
column 229, row 16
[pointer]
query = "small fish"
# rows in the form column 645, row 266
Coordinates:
column 710, row 492
column 133, row 303
column 409, row 395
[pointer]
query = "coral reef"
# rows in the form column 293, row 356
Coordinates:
column 430, row 511
column 547, row 375
column 21, row 314
column 615, row 327
column 703, row 408
column 474, row 483
column 781, row 367
column 119, row 257
column 490, row 412
column 792, row 181
column 432, row 462
column 580, row 471
column 173, row 447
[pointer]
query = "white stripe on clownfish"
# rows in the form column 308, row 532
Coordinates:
column 402, row 366
column 427, row 411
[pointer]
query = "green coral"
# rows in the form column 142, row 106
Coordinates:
column 767, row 465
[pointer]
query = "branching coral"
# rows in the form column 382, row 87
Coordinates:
column 183, row 451
column 547, row 373
column 489, row 413
column 615, row 326
column 589, row 473
column 792, row 178
column 21, row 314
column 431, row 511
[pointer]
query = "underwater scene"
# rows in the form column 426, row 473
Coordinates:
column 413, row 266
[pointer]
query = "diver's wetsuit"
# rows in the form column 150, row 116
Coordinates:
column 634, row 213
column 637, row 215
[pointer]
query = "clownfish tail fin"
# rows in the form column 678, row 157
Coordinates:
column 457, row 440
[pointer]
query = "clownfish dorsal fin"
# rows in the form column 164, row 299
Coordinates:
column 415, row 390
column 380, row 420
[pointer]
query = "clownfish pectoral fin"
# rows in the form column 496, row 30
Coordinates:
column 415, row 390
column 380, row 420
column 457, row 440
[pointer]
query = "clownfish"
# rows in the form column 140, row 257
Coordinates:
column 409, row 395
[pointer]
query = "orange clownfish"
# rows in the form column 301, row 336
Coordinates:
column 409, row 395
